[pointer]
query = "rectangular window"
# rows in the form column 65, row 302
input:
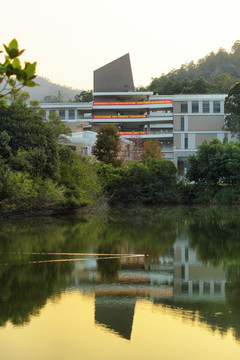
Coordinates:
column 216, row 106
column 182, row 123
column 184, row 107
column 205, row 107
column 62, row 113
column 217, row 288
column 182, row 272
column 186, row 143
column 195, row 107
column 184, row 287
column 52, row 111
column 206, row 287
column 195, row 288
column 71, row 114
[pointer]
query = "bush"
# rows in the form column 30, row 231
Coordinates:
column 150, row 183
column 22, row 193
column 79, row 179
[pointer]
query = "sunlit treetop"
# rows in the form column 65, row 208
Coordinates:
column 13, row 76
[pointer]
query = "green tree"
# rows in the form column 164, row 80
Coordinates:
column 107, row 145
column 223, row 82
column 53, row 98
column 5, row 148
column 215, row 162
column 232, row 110
column 13, row 76
column 79, row 178
column 59, row 128
column 19, row 96
column 84, row 96
column 29, row 133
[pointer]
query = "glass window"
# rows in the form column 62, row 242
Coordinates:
column 182, row 123
column 184, row 107
column 183, row 272
column 195, row 288
column 205, row 107
column 184, row 287
column 186, row 143
column 52, row 111
column 62, row 113
column 206, row 288
column 195, row 107
column 71, row 114
column 217, row 288
column 216, row 106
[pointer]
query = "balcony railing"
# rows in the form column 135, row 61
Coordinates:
column 132, row 102
column 155, row 134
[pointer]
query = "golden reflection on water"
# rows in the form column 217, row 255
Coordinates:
column 66, row 329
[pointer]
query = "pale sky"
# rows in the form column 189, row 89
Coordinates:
column 72, row 39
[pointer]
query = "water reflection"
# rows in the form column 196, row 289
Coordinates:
column 187, row 260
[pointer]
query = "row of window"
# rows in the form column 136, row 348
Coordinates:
column 205, row 107
column 62, row 113
column 217, row 287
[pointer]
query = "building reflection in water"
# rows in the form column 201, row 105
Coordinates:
column 116, row 313
column 177, row 275
column 194, row 279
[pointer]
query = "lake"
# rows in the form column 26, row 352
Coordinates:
column 138, row 282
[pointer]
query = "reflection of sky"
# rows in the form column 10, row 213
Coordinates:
column 66, row 330
column 145, row 304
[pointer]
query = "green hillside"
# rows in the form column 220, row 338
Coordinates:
column 215, row 73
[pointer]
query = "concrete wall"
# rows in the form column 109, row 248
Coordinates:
column 114, row 76
column 201, row 137
column 177, row 140
column 205, row 122
column 76, row 126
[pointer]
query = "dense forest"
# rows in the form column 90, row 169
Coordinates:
column 215, row 73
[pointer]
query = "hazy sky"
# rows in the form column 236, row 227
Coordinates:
column 70, row 40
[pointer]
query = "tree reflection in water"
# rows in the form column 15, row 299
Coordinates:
column 210, row 233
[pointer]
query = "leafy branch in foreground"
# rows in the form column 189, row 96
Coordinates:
column 13, row 76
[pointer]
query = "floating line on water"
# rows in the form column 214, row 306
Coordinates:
column 81, row 254
column 72, row 254
column 106, row 257
column 82, row 259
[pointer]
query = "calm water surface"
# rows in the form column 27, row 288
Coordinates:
column 139, row 283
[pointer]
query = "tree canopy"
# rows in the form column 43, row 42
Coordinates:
column 107, row 145
column 215, row 73
column 29, row 139
column 84, row 96
column 232, row 110
column 215, row 162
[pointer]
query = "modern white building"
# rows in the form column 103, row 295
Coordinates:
column 179, row 122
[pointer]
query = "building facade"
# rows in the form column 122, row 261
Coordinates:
column 179, row 122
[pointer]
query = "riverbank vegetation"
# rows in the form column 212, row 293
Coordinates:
column 36, row 174
column 39, row 176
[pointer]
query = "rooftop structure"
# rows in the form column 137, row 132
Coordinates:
column 115, row 76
